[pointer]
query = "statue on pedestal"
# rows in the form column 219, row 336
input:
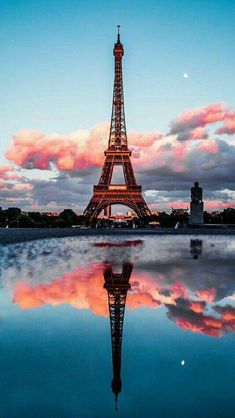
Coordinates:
column 196, row 193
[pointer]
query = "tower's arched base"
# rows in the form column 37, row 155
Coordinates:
column 104, row 196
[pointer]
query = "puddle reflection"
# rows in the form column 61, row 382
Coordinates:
column 194, row 287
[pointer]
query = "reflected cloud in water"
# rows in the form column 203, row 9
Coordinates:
column 192, row 304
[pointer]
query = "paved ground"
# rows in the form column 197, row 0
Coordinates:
column 13, row 235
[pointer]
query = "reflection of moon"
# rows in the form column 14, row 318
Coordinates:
column 182, row 362
column 185, row 75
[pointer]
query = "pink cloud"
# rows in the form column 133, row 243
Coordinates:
column 210, row 146
column 218, row 205
column 22, row 186
column 192, row 122
column 177, row 205
column 77, row 151
column 163, row 156
column 179, row 290
column 208, row 205
column 143, row 139
column 200, row 117
column 7, row 186
column 85, row 148
column 6, row 173
column 229, row 125
column 198, row 133
column 80, row 150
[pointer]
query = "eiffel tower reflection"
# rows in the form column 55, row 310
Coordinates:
column 117, row 286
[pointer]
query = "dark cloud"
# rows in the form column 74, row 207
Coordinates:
column 184, row 315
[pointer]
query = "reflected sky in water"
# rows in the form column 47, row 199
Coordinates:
column 178, row 336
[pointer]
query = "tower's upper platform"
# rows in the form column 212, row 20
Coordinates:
column 118, row 50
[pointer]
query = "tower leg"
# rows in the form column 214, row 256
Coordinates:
column 107, row 211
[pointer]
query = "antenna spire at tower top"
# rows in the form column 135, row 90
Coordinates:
column 116, row 402
column 118, row 34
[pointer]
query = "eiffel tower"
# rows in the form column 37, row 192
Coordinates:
column 117, row 286
column 106, row 194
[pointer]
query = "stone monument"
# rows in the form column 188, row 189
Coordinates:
column 196, row 205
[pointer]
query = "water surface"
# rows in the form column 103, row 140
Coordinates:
column 177, row 358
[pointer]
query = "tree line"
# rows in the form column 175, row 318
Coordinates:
column 13, row 217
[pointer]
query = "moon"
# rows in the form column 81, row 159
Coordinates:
column 182, row 362
column 185, row 75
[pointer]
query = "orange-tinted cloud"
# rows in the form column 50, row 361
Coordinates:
column 83, row 289
column 196, row 306
column 198, row 326
column 189, row 315
column 188, row 318
column 141, row 299
column 207, row 295
column 227, row 313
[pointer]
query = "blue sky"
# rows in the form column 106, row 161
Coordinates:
column 57, row 68
column 57, row 65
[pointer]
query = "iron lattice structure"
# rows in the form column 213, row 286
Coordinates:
column 117, row 286
column 106, row 194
